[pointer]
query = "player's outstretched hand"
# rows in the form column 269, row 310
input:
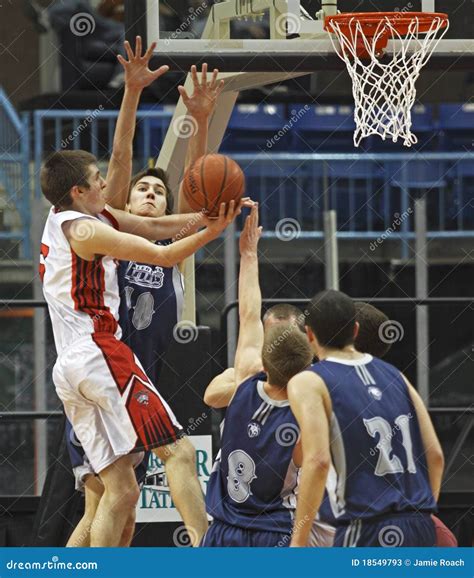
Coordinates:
column 251, row 233
column 202, row 101
column 226, row 216
column 137, row 73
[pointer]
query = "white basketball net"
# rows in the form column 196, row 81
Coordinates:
column 384, row 92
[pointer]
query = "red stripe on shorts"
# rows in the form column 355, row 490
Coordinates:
column 147, row 413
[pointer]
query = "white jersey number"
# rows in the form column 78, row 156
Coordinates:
column 388, row 462
column 241, row 475
column 144, row 308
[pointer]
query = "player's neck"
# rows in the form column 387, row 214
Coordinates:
column 348, row 352
column 275, row 392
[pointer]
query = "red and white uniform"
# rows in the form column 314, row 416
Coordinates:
column 113, row 407
column 82, row 296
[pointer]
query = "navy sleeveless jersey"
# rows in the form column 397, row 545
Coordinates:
column 151, row 303
column 378, row 464
column 253, row 481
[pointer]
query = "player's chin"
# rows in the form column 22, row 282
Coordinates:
column 148, row 211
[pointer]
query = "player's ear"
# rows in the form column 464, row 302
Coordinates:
column 75, row 193
column 356, row 329
column 309, row 333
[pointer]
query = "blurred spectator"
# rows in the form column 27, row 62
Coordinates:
column 89, row 44
column 114, row 9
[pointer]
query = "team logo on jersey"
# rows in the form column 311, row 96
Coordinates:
column 253, row 429
column 375, row 393
column 142, row 397
column 144, row 275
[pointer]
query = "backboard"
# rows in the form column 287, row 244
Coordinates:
column 277, row 35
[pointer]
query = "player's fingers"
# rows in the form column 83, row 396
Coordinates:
column 213, row 81
column 220, row 87
column 122, row 60
column 194, row 76
column 162, row 70
column 221, row 215
column 204, row 74
column 128, row 50
column 138, row 47
column 184, row 95
column 149, row 52
column 231, row 212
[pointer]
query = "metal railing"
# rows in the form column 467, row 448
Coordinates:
column 14, row 175
column 370, row 192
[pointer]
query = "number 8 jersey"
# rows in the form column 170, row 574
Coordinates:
column 379, row 466
column 254, row 479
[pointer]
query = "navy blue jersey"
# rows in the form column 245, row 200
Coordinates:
column 151, row 303
column 253, row 481
column 377, row 452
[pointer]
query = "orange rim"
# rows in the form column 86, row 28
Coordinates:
column 371, row 20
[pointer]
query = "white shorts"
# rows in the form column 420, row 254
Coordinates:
column 322, row 535
column 113, row 407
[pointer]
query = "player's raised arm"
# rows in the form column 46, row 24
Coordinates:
column 248, row 356
column 137, row 77
column 90, row 237
column 311, row 406
column 433, row 451
column 221, row 390
column 200, row 104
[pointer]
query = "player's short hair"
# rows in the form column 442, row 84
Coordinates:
column 286, row 352
column 331, row 317
column 285, row 313
column 158, row 174
column 63, row 170
column 368, row 339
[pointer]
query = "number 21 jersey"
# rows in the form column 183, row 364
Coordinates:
column 379, row 466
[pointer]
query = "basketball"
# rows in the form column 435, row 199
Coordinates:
column 211, row 180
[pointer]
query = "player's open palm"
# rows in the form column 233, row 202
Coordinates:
column 205, row 92
column 137, row 72
column 251, row 233
column 227, row 214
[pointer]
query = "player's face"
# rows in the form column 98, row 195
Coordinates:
column 94, row 197
column 148, row 198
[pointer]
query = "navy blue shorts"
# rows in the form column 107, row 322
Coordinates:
column 405, row 529
column 220, row 534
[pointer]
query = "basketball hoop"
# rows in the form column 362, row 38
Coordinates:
column 384, row 86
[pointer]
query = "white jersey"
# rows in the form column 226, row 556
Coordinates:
column 82, row 296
